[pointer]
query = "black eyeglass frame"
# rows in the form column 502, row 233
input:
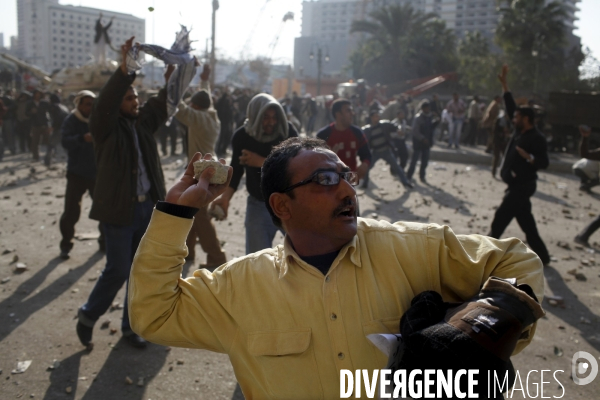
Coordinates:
column 349, row 176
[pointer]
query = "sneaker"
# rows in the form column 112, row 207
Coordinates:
column 84, row 333
column 136, row 341
column 408, row 185
column 580, row 240
column 64, row 254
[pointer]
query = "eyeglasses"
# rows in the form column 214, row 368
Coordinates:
column 327, row 178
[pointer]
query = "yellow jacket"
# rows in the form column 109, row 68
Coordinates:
column 289, row 330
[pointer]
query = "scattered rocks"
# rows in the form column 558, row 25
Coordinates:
column 140, row 381
column 20, row 268
column 128, row 380
column 5, row 280
column 21, row 367
column 68, row 390
column 555, row 301
column 558, row 351
column 563, row 245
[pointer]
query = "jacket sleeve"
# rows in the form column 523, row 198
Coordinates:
column 584, row 149
column 238, row 169
column 169, row 310
column 416, row 130
column 105, row 113
column 71, row 139
column 460, row 265
column 510, row 104
column 540, row 153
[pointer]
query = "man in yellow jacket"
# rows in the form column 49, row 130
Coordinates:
column 292, row 317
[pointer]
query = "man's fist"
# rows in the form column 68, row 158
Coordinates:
column 205, row 72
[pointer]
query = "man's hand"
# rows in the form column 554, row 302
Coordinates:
column 205, row 72
column 503, row 78
column 251, row 159
column 524, row 154
column 224, row 199
column 585, row 131
column 88, row 137
column 197, row 193
column 362, row 170
column 168, row 72
column 124, row 50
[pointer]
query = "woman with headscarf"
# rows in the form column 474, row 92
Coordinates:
column 265, row 127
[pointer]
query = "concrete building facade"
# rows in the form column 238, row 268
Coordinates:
column 53, row 36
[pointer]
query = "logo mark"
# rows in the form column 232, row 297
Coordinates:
column 580, row 368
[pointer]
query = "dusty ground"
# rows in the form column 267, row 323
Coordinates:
column 38, row 306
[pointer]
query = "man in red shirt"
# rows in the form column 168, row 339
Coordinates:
column 346, row 140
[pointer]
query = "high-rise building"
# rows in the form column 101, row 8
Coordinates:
column 52, row 36
column 327, row 23
column 1, row 40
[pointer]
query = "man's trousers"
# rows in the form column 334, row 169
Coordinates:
column 121, row 244
column 204, row 231
column 76, row 188
column 517, row 204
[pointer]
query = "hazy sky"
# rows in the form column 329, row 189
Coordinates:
column 239, row 20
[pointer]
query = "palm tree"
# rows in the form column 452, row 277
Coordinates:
column 532, row 32
column 398, row 43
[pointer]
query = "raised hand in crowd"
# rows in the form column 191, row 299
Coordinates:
column 197, row 193
column 503, row 78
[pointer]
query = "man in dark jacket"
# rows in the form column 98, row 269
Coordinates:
column 81, row 168
column 423, row 130
column 38, row 112
column 525, row 154
column 129, row 182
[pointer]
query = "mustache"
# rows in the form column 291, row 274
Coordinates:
column 346, row 202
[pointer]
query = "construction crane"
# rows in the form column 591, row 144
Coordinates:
column 289, row 16
column 243, row 53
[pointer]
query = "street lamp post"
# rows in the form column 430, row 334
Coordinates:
column 213, row 61
column 319, row 63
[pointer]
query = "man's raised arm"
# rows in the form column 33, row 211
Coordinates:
column 163, row 307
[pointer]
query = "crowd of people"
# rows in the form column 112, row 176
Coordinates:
column 299, row 179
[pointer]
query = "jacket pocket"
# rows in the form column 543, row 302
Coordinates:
column 288, row 362
column 385, row 325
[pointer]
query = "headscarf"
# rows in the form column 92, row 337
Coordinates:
column 78, row 97
column 256, row 109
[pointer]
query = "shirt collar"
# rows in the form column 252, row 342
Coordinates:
column 286, row 255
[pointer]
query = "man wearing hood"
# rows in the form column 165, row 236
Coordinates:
column 265, row 127
column 129, row 181
column 81, row 168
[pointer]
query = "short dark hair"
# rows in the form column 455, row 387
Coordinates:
column 274, row 172
column 337, row 105
column 527, row 112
